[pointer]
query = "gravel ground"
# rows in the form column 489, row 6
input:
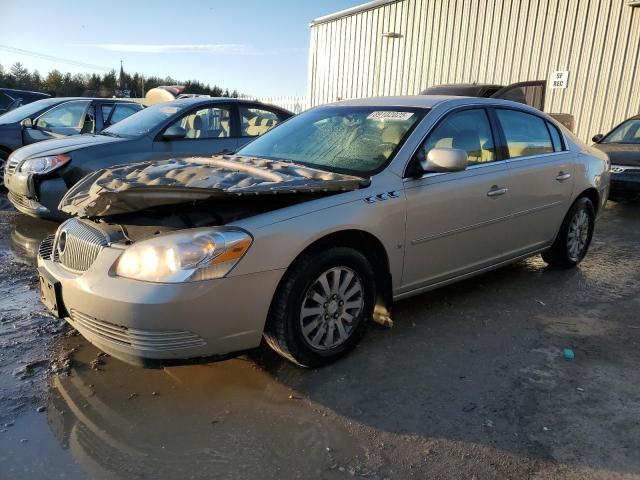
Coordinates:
column 471, row 382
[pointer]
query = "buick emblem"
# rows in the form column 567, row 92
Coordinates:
column 62, row 242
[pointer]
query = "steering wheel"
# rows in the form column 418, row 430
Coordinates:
column 383, row 147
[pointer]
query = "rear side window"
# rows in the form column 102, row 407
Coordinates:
column 555, row 138
column 525, row 134
column 122, row 111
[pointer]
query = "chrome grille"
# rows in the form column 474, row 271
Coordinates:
column 12, row 165
column 152, row 340
column 20, row 201
column 78, row 244
column 46, row 247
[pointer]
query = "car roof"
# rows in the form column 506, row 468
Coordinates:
column 422, row 101
column 195, row 101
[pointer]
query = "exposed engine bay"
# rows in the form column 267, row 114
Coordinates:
column 146, row 185
column 137, row 201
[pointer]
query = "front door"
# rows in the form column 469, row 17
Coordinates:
column 542, row 171
column 207, row 131
column 457, row 221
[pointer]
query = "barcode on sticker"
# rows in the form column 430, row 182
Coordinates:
column 389, row 115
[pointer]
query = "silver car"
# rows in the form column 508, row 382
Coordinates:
column 316, row 227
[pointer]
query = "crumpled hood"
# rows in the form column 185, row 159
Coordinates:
column 62, row 145
column 143, row 185
column 621, row 153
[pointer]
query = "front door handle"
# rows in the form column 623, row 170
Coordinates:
column 496, row 191
column 562, row 176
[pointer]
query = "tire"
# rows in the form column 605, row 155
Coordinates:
column 3, row 160
column 291, row 334
column 565, row 252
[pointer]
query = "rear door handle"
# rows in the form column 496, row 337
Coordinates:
column 562, row 176
column 496, row 191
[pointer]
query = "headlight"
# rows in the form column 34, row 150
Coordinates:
column 188, row 256
column 44, row 164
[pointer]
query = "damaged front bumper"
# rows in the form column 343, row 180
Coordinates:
column 145, row 323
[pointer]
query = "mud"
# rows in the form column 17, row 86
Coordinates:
column 471, row 382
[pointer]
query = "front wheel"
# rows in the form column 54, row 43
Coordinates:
column 319, row 311
column 3, row 162
column 573, row 240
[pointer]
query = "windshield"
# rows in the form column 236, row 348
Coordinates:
column 628, row 132
column 26, row 111
column 357, row 140
column 143, row 121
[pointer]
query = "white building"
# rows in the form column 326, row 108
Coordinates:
column 400, row 47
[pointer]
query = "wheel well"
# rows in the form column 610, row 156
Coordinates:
column 593, row 195
column 371, row 248
column 5, row 150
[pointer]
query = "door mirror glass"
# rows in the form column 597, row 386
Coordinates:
column 444, row 160
column 174, row 132
column 597, row 138
column 28, row 123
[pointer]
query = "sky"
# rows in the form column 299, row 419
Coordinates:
column 257, row 47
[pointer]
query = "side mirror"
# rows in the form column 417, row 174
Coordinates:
column 28, row 123
column 174, row 132
column 597, row 138
column 444, row 160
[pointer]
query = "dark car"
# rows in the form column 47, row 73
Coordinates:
column 10, row 98
column 38, row 176
column 622, row 145
column 530, row 93
column 58, row 118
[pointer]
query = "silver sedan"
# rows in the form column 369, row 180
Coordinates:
column 316, row 227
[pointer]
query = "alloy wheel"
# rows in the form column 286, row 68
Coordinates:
column 331, row 308
column 578, row 235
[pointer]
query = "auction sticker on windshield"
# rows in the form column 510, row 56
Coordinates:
column 389, row 115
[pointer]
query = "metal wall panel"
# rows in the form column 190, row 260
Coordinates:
column 487, row 41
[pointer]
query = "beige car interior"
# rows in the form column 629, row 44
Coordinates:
column 256, row 122
column 208, row 123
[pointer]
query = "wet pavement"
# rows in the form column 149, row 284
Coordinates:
column 471, row 382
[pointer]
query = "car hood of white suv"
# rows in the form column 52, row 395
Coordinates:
column 140, row 186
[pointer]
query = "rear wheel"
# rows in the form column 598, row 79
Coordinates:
column 573, row 240
column 319, row 311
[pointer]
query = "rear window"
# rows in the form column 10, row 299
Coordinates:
column 525, row 134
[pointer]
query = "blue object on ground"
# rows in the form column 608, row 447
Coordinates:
column 568, row 354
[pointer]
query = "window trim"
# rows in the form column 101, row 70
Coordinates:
column 498, row 149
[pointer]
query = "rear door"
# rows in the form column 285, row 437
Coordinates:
column 541, row 170
column 209, row 130
column 530, row 93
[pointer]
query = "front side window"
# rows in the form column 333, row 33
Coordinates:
column 67, row 115
column 358, row 140
column 206, row 123
column 467, row 130
column 525, row 134
column 628, row 132
column 145, row 121
column 256, row 121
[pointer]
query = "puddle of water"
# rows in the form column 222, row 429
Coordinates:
column 229, row 420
